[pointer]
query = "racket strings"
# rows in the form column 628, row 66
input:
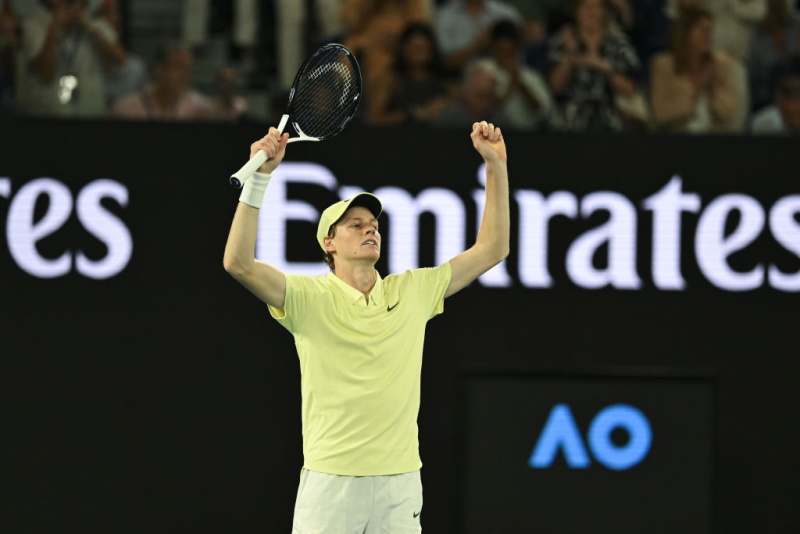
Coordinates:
column 326, row 94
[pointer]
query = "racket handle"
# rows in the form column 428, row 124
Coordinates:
column 242, row 175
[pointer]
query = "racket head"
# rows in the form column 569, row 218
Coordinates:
column 325, row 93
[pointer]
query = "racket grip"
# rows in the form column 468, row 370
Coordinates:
column 242, row 175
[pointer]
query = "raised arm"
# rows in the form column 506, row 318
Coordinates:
column 263, row 280
column 492, row 244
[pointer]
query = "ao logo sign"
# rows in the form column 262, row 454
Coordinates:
column 560, row 433
column 24, row 231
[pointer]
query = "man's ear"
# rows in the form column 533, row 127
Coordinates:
column 329, row 246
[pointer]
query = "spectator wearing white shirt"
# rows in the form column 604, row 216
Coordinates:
column 63, row 56
column 523, row 92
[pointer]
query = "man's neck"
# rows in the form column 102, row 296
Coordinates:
column 360, row 276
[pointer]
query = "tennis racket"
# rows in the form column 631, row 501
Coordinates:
column 323, row 99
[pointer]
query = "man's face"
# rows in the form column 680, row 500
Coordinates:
column 479, row 94
column 417, row 50
column 701, row 34
column 356, row 236
column 176, row 72
column 591, row 14
column 504, row 50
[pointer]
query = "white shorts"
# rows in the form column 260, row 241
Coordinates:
column 335, row 504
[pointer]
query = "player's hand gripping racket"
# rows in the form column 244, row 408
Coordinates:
column 323, row 99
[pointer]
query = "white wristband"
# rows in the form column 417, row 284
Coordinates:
column 254, row 188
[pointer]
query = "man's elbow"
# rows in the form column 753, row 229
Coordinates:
column 234, row 267
column 502, row 254
column 499, row 253
column 505, row 252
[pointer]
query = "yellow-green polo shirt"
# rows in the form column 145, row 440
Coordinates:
column 360, row 367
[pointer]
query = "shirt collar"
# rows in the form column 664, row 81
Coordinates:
column 353, row 295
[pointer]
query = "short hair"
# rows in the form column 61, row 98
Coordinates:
column 688, row 17
column 571, row 8
column 481, row 65
column 412, row 30
column 506, row 29
column 328, row 257
column 164, row 51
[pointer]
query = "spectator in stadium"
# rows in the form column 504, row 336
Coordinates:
column 292, row 19
column 64, row 52
column 169, row 97
column 691, row 85
column 372, row 31
column 734, row 21
column 226, row 104
column 463, row 29
column 523, row 93
column 8, row 50
column 775, row 41
column 782, row 116
column 416, row 89
column 650, row 32
column 540, row 20
column 477, row 97
column 129, row 76
column 591, row 68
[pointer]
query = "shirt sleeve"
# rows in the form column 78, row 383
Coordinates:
column 430, row 285
column 301, row 293
column 104, row 28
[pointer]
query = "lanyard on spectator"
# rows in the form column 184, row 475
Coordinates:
column 68, row 53
column 68, row 83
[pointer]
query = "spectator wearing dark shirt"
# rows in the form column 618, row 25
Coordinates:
column 416, row 89
column 590, row 67
column 782, row 116
column 774, row 42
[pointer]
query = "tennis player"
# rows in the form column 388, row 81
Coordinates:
column 359, row 339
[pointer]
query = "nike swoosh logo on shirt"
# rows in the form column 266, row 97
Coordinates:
column 390, row 308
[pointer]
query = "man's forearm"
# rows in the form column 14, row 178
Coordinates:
column 495, row 233
column 240, row 247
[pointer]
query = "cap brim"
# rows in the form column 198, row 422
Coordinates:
column 368, row 201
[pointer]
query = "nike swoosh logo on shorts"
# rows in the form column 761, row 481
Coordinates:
column 416, row 514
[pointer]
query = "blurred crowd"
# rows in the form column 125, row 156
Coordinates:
column 682, row 66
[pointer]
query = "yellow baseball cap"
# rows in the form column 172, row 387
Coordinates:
column 334, row 212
